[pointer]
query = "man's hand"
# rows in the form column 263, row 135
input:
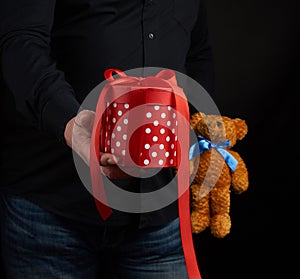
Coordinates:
column 78, row 134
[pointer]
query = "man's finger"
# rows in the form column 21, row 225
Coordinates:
column 108, row 159
column 114, row 172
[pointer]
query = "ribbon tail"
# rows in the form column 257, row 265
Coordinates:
column 183, row 191
column 229, row 159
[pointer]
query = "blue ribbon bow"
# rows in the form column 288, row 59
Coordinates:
column 205, row 144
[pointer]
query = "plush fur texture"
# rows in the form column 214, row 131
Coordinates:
column 212, row 179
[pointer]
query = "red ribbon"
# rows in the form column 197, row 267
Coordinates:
column 164, row 79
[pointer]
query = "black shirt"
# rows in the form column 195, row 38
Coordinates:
column 53, row 53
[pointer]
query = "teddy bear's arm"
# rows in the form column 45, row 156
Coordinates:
column 240, row 179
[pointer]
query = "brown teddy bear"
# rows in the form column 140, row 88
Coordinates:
column 216, row 169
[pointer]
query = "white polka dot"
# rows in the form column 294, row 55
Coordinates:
column 114, row 105
column 161, row 162
column 169, row 108
column 146, row 162
column 172, row 146
column 125, row 121
column 147, row 146
column 155, row 123
column 148, row 130
column 148, row 114
column 176, row 123
column 173, row 131
column 108, row 142
column 176, row 138
column 123, row 152
column 162, row 131
column 171, row 161
column 114, row 120
column 175, row 153
column 126, row 106
column 169, row 123
column 154, row 154
column 112, row 151
column 107, row 104
column 174, row 115
column 118, row 144
column 106, row 118
column 161, row 146
column 120, row 112
column 124, row 137
column 155, row 138
column 113, row 135
column 156, row 107
column 105, row 149
column 167, row 139
column 106, row 134
column 163, row 115
column 119, row 128
column 167, row 154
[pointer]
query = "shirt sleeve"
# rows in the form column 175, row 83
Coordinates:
column 199, row 62
column 40, row 90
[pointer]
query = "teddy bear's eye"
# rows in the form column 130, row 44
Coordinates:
column 219, row 124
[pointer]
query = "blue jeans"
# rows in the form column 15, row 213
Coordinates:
column 37, row 244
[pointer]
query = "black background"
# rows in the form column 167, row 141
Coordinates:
column 256, row 64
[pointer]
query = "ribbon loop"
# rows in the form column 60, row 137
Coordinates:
column 108, row 74
column 204, row 144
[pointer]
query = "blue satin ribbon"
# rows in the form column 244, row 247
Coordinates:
column 205, row 144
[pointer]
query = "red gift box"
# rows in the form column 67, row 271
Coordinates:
column 140, row 127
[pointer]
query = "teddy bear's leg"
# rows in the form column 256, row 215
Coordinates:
column 220, row 220
column 220, row 205
column 240, row 179
column 200, row 205
column 200, row 216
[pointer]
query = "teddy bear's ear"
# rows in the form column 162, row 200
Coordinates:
column 241, row 128
column 196, row 117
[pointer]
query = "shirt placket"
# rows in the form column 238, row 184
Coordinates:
column 150, row 32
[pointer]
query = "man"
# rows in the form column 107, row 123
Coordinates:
column 53, row 53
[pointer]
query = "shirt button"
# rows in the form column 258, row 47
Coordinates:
column 151, row 36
